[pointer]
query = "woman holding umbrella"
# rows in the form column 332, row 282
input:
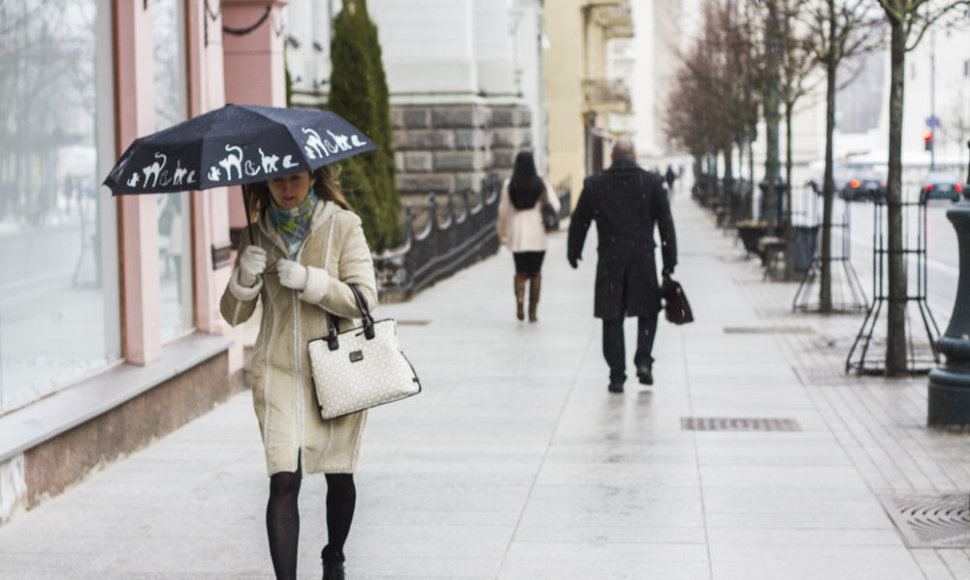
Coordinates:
column 306, row 247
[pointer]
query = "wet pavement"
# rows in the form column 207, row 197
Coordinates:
column 752, row 457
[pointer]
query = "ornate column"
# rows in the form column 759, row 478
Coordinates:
column 139, row 213
column 949, row 390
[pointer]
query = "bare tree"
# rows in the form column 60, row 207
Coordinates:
column 710, row 108
column 768, row 38
column 840, row 30
column 684, row 123
column 741, row 61
column 747, row 54
column 796, row 69
column 693, row 112
column 908, row 21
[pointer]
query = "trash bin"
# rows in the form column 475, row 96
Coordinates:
column 804, row 241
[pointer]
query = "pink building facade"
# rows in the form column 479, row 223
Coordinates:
column 129, row 286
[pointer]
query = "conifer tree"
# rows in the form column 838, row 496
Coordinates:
column 358, row 93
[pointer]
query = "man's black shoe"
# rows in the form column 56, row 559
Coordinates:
column 615, row 387
column 333, row 571
column 645, row 375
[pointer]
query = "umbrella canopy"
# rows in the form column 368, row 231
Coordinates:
column 235, row 145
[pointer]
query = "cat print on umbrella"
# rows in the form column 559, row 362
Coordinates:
column 158, row 175
column 234, row 165
column 318, row 148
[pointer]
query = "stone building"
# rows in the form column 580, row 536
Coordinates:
column 465, row 80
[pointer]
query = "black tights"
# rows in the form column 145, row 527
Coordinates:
column 283, row 519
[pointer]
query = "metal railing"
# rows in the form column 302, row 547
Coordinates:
column 443, row 246
column 451, row 239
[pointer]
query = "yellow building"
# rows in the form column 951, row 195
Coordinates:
column 579, row 96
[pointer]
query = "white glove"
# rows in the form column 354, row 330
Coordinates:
column 252, row 262
column 292, row 274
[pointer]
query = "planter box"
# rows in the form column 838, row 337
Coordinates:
column 750, row 234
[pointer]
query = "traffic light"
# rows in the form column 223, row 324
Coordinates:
column 928, row 141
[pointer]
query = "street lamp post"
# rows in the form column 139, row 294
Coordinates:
column 773, row 186
column 949, row 389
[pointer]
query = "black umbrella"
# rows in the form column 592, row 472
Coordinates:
column 235, row 145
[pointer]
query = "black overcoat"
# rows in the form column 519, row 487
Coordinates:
column 626, row 202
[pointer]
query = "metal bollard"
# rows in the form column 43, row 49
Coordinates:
column 949, row 387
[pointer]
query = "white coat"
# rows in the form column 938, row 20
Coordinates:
column 335, row 253
column 521, row 230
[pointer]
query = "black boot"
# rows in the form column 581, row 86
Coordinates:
column 333, row 571
column 333, row 564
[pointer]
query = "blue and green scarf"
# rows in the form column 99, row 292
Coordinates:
column 293, row 224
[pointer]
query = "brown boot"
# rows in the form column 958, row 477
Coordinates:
column 534, row 287
column 520, row 296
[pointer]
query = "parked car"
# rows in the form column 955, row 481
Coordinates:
column 863, row 183
column 942, row 185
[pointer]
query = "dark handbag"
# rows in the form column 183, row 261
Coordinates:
column 676, row 307
column 550, row 219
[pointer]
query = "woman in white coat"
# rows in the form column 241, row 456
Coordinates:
column 307, row 247
column 520, row 228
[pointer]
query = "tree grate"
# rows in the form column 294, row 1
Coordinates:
column 737, row 424
column 931, row 521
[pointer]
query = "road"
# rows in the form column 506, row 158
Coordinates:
column 942, row 253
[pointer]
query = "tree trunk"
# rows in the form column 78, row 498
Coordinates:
column 771, row 167
column 727, row 186
column 715, row 198
column 896, row 331
column 772, row 115
column 739, row 188
column 698, row 176
column 749, row 195
column 789, row 226
column 828, row 187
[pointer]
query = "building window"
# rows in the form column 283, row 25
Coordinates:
column 174, row 215
column 59, row 305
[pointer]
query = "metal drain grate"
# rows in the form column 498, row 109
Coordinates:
column 769, row 330
column 737, row 424
column 931, row 521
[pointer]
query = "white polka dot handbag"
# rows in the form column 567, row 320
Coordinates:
column 360, row 368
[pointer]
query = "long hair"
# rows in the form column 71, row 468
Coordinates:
column 526, row 186
column 258, row 198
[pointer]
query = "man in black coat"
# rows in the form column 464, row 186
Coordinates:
column 626, row 202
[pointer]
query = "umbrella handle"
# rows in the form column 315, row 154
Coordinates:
column 248, row 225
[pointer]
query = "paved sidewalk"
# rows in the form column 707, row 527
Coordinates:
column 515, row 462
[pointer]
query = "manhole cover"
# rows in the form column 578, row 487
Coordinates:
column 931, row 521
column 737, row 424
column 769, row 330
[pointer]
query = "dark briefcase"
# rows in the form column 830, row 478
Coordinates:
column 676, row 307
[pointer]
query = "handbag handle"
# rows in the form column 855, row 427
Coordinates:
column 365, row 315
column 364, row 312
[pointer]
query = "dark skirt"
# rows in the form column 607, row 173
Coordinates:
column 528, row 262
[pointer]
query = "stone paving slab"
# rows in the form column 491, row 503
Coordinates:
column 515, row 462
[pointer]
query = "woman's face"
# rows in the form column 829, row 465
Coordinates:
column 289, row 191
